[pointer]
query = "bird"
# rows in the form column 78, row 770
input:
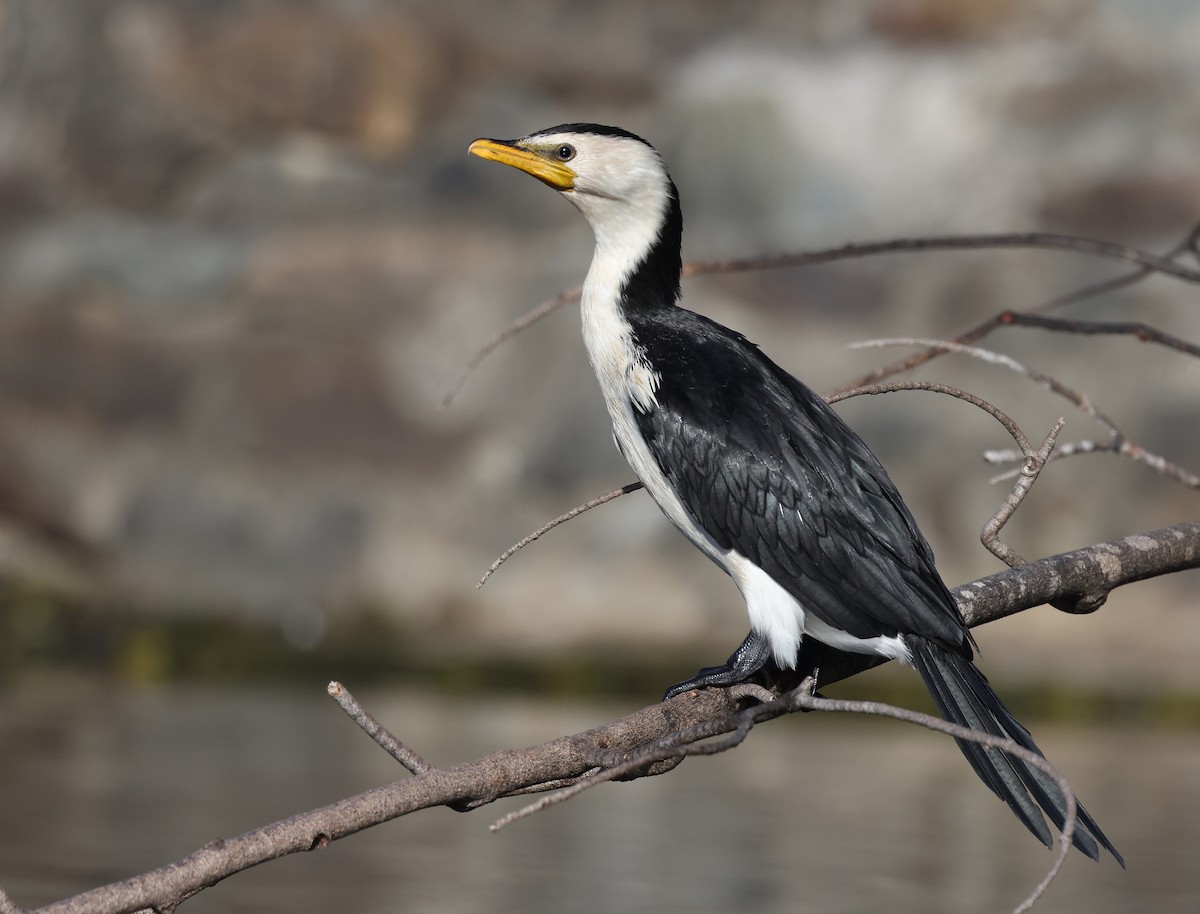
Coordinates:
column 758, row 472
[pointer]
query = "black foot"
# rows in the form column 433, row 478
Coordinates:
column 750, row 657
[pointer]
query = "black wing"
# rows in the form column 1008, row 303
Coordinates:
column 767, row 468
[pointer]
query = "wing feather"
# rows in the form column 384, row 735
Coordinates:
column 768, row 469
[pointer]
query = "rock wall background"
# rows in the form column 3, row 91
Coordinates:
column 243, row 255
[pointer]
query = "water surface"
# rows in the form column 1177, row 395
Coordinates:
column 812, row 813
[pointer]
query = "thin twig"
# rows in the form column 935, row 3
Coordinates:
column 1127, row 448
column 1148, row 263
column 377, row 731
column 528, row 319
column 550, row 525
column 1189, row 245
column 1033, row 461
column 1080, row 401
column 1011, row 318
column 992, row 410
column 1066, row 833
column 1036, row 240
column 1142, row 332
column 550, row 785
column 1086, row 446
column 1122, row 444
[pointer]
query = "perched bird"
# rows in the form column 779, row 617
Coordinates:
column 757, row 471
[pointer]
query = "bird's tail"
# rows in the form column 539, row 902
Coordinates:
column 964, row 697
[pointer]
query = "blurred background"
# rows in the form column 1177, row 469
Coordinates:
column 244, row 257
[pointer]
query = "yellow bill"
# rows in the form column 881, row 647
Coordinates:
column 531, row 161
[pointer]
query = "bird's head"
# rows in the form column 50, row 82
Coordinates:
column 615, row 178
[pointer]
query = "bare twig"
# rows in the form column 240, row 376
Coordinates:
column 526, row 320
column 555, row 784
column 1189, row 245
column 1034, row 461
column 675, row 745
column 1067, row 831
column 1030, row 468
column 1010, row 318
column 1147, row 262
column 1120, row 447
column 930, row 386
column 377, row 731
column 1080, row 401
column 991, row 409
column 1142, row 332
column 550, row 525
column 1029, row 240
column 1121, row 443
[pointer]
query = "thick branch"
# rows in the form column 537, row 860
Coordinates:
column 1085, row 574
column 1081, row 579
column 1097, row 569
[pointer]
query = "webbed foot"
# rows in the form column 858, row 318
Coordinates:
column 750, row 657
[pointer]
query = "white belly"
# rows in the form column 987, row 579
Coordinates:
column 780, row 618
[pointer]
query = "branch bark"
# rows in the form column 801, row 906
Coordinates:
column 1083, row 577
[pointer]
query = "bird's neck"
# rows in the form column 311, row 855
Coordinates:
column 636, row 264
column 635, row 271
column 653, row 281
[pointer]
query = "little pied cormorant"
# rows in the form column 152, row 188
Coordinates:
column 757, row 471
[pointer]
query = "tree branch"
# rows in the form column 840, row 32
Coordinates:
column 1029, row 318
column 550, row 525
column 1084, row 574
column 695, row 740
column 1077, row 581
column 1148, row 264
column 377, row 731
column 1119, row 442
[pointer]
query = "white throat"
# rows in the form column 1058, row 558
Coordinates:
column 625, row 228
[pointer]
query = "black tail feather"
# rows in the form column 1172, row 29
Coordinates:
column 964, row 697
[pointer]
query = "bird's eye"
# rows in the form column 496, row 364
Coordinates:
column 565, row 152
